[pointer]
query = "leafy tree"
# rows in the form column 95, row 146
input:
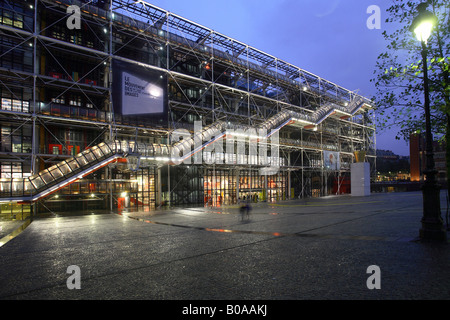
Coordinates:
column 398, row 75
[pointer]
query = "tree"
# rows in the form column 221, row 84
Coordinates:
column 398, row 75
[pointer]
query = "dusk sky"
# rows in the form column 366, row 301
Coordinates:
column 329, row 38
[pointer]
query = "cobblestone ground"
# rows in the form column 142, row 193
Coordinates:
column 295, row 250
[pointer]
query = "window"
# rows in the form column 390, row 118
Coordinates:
column 18, row 20
column 25, row 106
column 17, row 15
column 75, row 101
column 6, row 104
column 59, row 100
column 26, row 144
column 58, row 33
column 16, row 139
column 15, row 54
column 192, row 93
column 76, row 39
column 7, row 17
column 16, row 143
column 17, row 105
column 11, row 170
column 6, row 139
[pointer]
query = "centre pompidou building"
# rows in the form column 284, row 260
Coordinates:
column 121, row 105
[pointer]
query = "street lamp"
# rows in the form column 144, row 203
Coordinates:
column 432, row 223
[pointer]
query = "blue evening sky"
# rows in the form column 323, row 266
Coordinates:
column 329, row 38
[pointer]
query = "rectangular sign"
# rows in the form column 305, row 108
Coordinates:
column 331, row 160
column 140, row 96
column 139, row 91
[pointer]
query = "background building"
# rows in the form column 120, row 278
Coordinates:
column 135, row 73
column 392, row 167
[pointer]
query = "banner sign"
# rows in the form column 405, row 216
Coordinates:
column 139, row 91
column 331, row 160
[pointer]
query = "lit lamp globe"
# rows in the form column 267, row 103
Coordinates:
column 423, row 24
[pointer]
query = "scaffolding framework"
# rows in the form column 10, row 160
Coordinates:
column 57, row 84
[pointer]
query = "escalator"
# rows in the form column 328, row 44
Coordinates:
column 61, row 174
column 68, row 171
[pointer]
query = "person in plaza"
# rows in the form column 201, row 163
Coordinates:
column 245, row 208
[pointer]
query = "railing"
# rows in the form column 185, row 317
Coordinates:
column 72, row 112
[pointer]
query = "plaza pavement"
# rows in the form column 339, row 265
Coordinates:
column 314, row 249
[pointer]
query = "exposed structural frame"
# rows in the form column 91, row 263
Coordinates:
column 240, row 85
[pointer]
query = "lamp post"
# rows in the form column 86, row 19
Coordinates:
column 432, row 223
